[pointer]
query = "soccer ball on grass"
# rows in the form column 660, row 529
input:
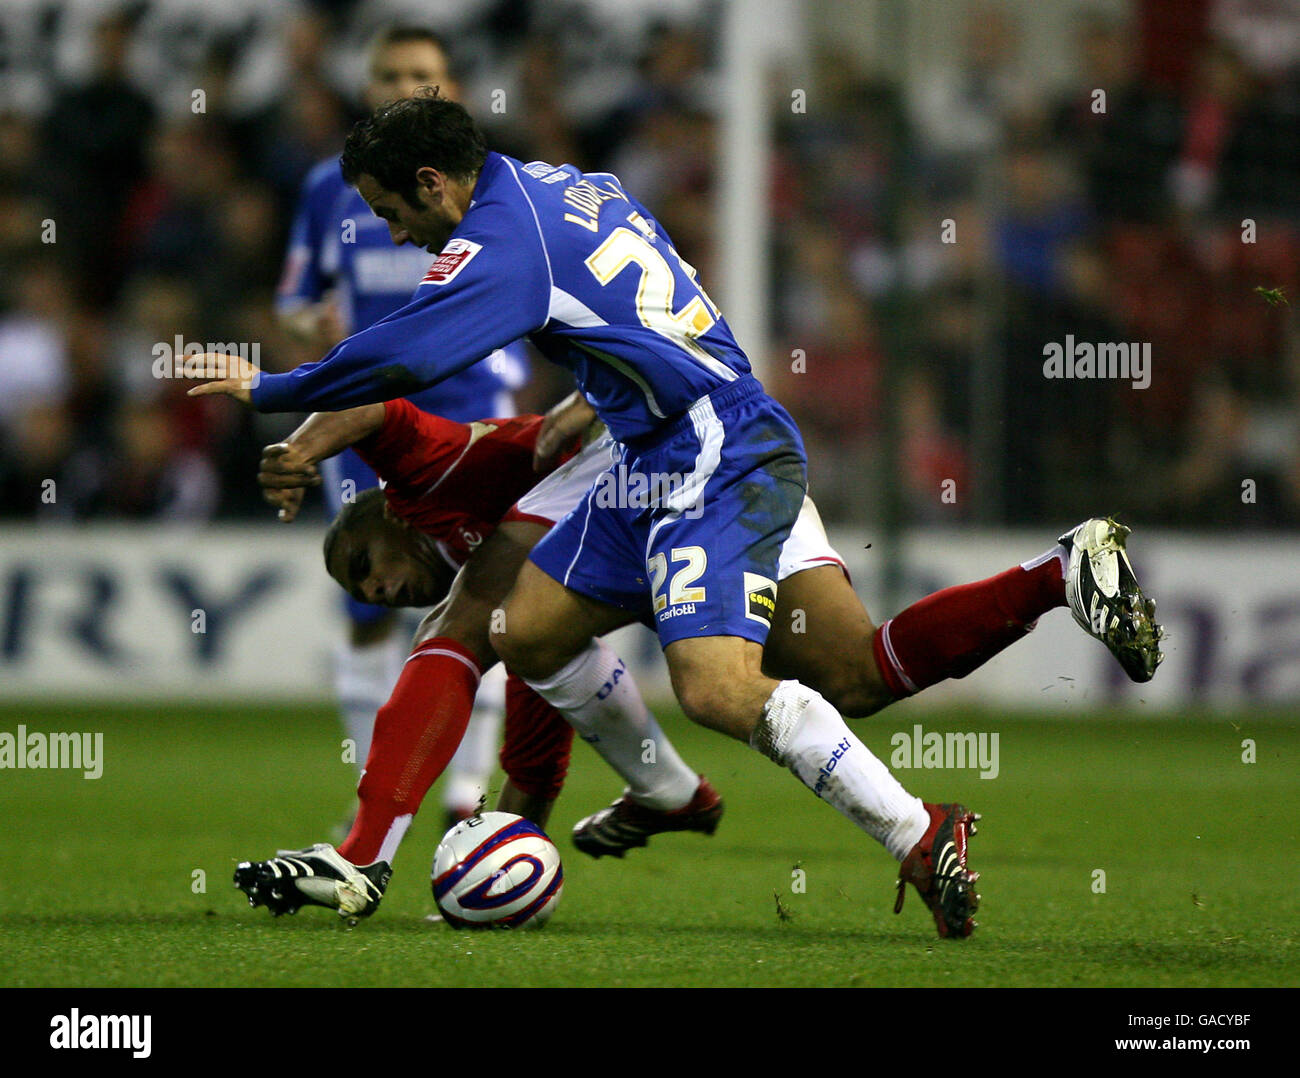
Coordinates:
column 497, row 870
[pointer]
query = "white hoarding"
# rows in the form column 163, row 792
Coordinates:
column 230, row 612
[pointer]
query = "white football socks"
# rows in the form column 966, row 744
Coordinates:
column 393, row 839
column 597, row 695
column 1059, row 552
column 364, row 680
column 474, row 764
column 802, row 731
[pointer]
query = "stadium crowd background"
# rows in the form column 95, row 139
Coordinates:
column 920, row 360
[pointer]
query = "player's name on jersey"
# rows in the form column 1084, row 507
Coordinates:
column 179, row 358
column 31, row 749
column 585, row 197
column 623, row 488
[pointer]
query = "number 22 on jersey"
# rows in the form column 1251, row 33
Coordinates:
column 655, row 292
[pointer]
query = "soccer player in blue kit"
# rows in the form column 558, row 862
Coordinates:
column 341, row 275
column 573, row 262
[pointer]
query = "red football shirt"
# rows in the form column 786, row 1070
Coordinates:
column 454, row 481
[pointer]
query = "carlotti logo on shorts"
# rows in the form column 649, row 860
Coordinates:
column 676, row 611
column 760, row 598
column 451, row 260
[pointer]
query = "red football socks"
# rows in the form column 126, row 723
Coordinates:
column 535, row 752
column 950, row 633
column 416, row 735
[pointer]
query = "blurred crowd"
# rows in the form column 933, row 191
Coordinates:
column 948, row 230
column 931, row 237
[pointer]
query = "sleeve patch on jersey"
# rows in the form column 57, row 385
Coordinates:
column 540, row 170
column 451, row 260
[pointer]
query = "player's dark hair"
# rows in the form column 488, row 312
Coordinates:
column 365, row 510
column 400, row 138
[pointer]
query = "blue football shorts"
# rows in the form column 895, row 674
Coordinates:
column 686, row 530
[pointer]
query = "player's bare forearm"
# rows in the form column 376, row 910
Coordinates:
column 322, row 434
column 568, row 419
column 288, row 468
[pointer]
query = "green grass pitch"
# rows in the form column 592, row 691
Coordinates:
column 126, row 880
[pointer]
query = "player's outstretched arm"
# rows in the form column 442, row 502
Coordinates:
column 221, row 374
column 498, row 291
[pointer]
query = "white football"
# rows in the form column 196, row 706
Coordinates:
column 497, row 870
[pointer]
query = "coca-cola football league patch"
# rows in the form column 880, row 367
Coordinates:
column 451, row 260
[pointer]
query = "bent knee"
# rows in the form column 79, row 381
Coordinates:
column 729, row 705
column 705, row 703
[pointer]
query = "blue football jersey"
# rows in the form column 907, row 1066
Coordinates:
column 569, row 260
column 336, row 243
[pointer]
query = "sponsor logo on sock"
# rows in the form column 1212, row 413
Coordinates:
column 58, row 751
column 824, row 772
column 950, row 751
column 77, row 1030
column 613, row 681
column 1108, row 359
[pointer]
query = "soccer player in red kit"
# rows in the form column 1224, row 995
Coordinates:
column 453, row 479
column 450, row 492
column 575, row 263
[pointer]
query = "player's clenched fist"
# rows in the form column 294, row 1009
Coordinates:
column 286, row 465
column 284, row 474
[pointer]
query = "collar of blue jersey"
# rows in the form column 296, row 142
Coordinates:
column 487, row 174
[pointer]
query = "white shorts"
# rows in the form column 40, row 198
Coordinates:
column 560, row 492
